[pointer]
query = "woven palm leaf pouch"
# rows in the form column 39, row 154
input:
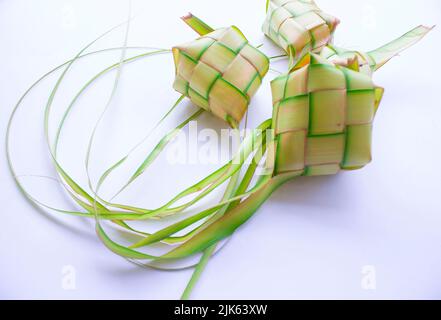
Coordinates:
column 298, row 27
column 322, row 118
column 220, row 72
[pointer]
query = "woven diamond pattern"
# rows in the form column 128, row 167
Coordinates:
column 220, row 72
column 299, row 26
column 322, row 118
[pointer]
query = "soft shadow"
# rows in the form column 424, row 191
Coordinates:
column 317, row 192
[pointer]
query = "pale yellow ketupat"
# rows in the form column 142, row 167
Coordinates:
column 298, row 26
column 322, row 118
column 220, row 72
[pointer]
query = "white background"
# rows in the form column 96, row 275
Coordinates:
column 312, row 239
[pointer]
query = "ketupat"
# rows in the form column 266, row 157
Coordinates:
column 220, row 72
column 298, row 26
column 322, row 118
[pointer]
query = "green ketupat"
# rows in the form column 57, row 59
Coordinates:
column 298, row 26
column 220, row 72
column 322, row 118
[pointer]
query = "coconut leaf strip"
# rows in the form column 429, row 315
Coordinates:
column 383, row 54
column 72, row 184
column 152, row 156
column 107, row 106
column 245, row 182
column 199, row 26
column 167, row 210
column 208, row 184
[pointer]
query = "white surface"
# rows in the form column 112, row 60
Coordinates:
column 312, row 239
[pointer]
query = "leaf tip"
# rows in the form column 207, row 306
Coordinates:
column 188, row 16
